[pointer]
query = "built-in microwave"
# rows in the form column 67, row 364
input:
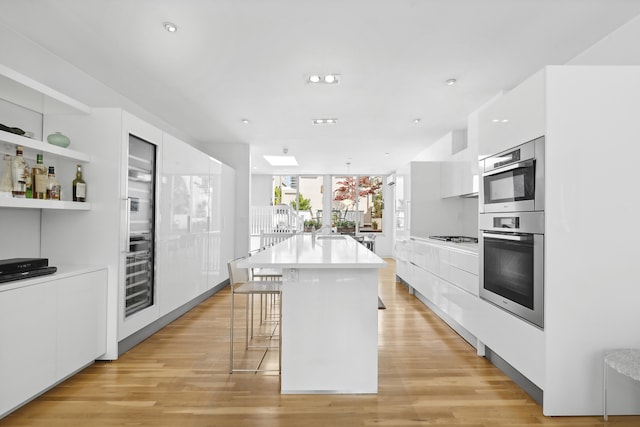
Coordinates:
column 513, row 181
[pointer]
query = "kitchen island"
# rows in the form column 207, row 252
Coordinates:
column 329, row 327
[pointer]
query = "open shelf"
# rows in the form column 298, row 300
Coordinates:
column 11, row 202
column 42, row 147
column 24, row 91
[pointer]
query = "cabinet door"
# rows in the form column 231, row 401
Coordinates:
column 177, row 252
column 515, row 118
column 217, row 267
column 82, row 321
column 28, row 343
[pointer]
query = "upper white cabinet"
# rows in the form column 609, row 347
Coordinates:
column 458, row 178
column 459, row 171
column 515, row 118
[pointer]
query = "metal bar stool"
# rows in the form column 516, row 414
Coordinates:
column 624, row 361
column 241, row 284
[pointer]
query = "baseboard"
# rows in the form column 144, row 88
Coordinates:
column 530, row 388
column 457, row 328
column 136, row 338
column 523, row 382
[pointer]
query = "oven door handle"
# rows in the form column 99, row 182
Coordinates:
column 525, row 164
column 514, row 237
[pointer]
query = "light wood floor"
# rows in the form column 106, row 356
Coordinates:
column 428, row 375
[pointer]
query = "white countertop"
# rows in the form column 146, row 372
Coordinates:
column 465, row 247
column 323, row 251
column 63, row 271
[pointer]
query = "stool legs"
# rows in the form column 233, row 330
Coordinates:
column 604, row 392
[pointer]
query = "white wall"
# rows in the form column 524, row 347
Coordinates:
column 261, row 190
column 32, row 60
column 618, row 48
column 238, row 157
column 447, row 216
column 20, row 231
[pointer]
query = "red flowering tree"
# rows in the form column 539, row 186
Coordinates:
column 348, row 186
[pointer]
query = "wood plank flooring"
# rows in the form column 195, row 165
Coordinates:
column 429, row 376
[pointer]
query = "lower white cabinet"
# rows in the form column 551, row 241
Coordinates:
column 49, row 328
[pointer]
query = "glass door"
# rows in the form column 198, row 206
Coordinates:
column 139, row 275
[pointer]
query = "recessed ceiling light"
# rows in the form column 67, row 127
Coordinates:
column 327, row 78
column 451, row 82
column 245, row 121
column 281, row 160
column 418, row 120
column 505, row 120
column 170, row 26
column 324, row 121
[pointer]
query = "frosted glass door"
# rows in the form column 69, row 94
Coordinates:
column 139, row 287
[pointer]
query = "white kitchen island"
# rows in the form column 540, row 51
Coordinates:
column 329, row 327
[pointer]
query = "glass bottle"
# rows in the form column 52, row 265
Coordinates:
column 19, row 173
column 53, row 187
column 39, row 179
column 6, row 183
column 79, row 186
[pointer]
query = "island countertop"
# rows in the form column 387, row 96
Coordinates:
column 321, row 251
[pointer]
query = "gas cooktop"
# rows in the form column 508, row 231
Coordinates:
column 455, row 239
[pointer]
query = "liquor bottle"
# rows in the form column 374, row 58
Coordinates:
column 79, row 186
column 53, row 187
column 19, row 173
column 6, row 182
column 39, row 179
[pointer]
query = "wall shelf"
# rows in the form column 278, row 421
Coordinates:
column 11, row 202
column 22, row 90
column 42, row 147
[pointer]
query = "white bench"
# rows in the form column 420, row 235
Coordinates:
column 624, row 361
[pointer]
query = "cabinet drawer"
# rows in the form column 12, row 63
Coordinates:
column 419, row 254
column 464, row 280
column 465, row 261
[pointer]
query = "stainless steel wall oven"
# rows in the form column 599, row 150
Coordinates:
column 513, row 181
column 512, row 263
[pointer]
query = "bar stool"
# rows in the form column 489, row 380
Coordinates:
column 241, row 284
column 624, row 361
column 268, row 303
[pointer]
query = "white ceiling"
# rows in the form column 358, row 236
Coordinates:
column 235, row 59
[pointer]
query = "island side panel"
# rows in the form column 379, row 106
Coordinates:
column 330, row 330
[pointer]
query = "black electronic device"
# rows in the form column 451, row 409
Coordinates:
column 19, row 265
column 27, row 274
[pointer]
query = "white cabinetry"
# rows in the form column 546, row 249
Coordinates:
column 189, row 245
column 459, row 169
column 515, row 118
column 189, row 233
column 444, row 278
column 50, row 327
column 107, row 135
column 588, row 115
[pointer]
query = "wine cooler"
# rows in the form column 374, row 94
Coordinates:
column 140, row 265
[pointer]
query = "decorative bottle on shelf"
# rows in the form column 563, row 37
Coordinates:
column 6, row 182
column 39, row 179
column 19, row 174
column 53, row 187
column 79, row 186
